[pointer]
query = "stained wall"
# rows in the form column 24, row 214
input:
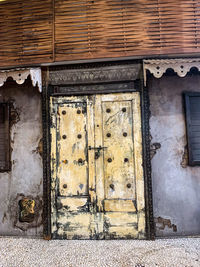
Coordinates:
column 176, row 186
column 25, row 178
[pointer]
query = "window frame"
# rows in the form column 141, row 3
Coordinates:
column 7, row 140
column 191, row 159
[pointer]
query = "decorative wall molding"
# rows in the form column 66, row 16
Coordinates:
column 115, row 73
column 88, row 89
column 158, row 67
column 21, row 74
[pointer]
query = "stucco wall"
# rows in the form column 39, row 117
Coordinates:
column 176, row 186
column 25, row 178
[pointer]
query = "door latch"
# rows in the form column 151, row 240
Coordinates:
column 97, row 153
column 97, row 148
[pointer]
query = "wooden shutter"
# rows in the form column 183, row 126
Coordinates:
column 178, row 26
column 25, row 32
column 103, row 28
column 118, row 28
column 193, row 127
column 4, row 137
column 38, row 31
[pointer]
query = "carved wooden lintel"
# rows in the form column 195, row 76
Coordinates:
column 103, row 74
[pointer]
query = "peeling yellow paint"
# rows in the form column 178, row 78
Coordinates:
column 74, row 225
column 121, row 218
column 119, row 205
column 121, row 225
column 73, row 204
column 96, row 165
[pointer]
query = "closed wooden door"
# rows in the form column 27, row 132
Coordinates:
column 97, row 185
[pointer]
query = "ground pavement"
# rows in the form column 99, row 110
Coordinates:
column 23, row 252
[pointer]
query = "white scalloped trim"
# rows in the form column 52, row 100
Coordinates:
column 20, row 75
column 158, row 67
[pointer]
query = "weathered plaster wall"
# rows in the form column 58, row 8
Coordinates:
column 176, row 186
column 25, row 178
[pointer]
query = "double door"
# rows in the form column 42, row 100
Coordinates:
column 97, row 186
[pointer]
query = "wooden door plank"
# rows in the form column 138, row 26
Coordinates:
column 99, row 161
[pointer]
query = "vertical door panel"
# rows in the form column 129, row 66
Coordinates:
column 121, row 165
column 72, row 149
column 119, row 170
column 99, row 168
column 70, row 184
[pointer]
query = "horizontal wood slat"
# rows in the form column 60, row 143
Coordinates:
column 113, row 28
column 37, row 31
column 25, row 32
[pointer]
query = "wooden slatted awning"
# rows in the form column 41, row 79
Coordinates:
column 25, row 32
column 116, row 28
column 45, row 31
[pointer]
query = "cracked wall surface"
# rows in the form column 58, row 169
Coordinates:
column 25, row 177
column 176, row 186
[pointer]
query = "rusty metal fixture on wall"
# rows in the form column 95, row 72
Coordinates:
column 27, row 210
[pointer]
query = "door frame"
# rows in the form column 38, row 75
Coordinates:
column 95, row 79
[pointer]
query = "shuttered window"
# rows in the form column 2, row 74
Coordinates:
column 4, row 137
column 38, row 31
column 117, row 28
column 25, row 32
column 193, row 127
